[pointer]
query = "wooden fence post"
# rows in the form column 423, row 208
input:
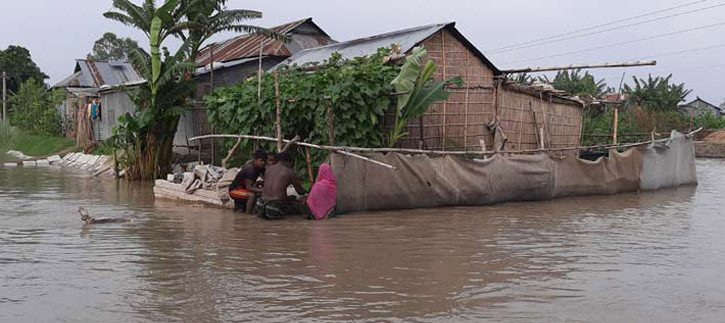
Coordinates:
column 616, row 125
column 278, row 118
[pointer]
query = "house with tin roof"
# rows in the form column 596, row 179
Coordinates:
column 89, row 111
column 699, row 107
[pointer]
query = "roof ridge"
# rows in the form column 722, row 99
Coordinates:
column 361, row 39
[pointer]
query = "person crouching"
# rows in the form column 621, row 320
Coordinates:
column 242, row 190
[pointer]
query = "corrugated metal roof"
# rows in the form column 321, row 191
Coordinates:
column 406, row 38
column 246, row 46
column 96, row 74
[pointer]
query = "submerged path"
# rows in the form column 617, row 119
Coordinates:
column 653, row 256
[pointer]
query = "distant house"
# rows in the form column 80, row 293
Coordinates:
column 236, row 59
column 91, row 108
column 700, row 107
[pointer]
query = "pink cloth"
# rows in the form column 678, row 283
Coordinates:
column 323, row 195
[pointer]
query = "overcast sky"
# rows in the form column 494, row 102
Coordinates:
column 57, row 32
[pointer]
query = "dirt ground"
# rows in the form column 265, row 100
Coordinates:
column 718, row 136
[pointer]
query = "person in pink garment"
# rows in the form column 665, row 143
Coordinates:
column 323, row 196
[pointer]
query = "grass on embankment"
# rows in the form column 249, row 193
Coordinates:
column 12, row 138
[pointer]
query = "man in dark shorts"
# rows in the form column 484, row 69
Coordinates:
column 275, row 203
column 242, row 190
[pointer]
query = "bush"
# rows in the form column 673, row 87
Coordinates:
column 358, row 90
column 33, row 109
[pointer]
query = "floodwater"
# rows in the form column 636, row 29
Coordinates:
column 633, row 257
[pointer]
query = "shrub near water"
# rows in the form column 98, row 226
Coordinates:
column 33, row 108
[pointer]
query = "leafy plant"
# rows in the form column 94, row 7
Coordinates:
column 33, row 108
column 657, row 93
column 17, row 62
column 358, row 91
column 146, row 138
column 111, row 47
column 576, row 83
column 417, row 91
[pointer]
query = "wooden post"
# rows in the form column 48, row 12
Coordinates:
column 615, row 131
column 5, row 97
column 259, row 73
column 692, row 118
column 445, row 106
column 541, row 138
column 278, row 118
column 211, row 67
column 330, row 125
column 521, row 127
column 211, row 86
column 465, row 117
column 308, row 158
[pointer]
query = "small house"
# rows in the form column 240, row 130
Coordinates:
column 486, row 107
column 89, row 110
column 699, row 107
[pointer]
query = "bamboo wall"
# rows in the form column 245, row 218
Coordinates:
column 460, row 123
column 523, row 115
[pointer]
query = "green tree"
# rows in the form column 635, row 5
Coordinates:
column 33, row 108
column 17, row 62
column 163, row 99
column 112, row 48
column 576, row 83
column 656, row 93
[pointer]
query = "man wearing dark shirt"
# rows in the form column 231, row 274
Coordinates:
column 275, row 203
column 242, row 189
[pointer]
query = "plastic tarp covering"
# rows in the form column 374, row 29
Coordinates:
column 422, row 182
column 669, row 164
column 619, row 172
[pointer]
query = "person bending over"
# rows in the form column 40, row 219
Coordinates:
column 275, row 203
column 242, row 190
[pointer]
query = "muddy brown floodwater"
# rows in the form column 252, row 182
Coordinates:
column 656, row 257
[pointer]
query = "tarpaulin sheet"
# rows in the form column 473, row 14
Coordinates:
column 421, row 181
column 669, row 164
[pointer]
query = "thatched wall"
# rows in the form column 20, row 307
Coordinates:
column 461, row 122
column 527, row 119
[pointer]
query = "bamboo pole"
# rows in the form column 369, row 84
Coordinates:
column 308, row 158
column 579, row 66
column 615, row 131
column 347, row 150
column 5, row 97
column 278, row 114
column 330, row 125
column 339, row 150
column 445, row 104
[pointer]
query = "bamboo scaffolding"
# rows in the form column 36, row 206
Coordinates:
column 340, row 150
column 348, row 150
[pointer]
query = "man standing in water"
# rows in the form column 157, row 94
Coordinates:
column 242, row 190
column 275, row 203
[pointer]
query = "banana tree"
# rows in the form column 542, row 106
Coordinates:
column 417, row 91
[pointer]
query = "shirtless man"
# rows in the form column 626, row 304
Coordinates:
column 275, row 203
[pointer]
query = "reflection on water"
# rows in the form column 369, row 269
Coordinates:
column 630, row 257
